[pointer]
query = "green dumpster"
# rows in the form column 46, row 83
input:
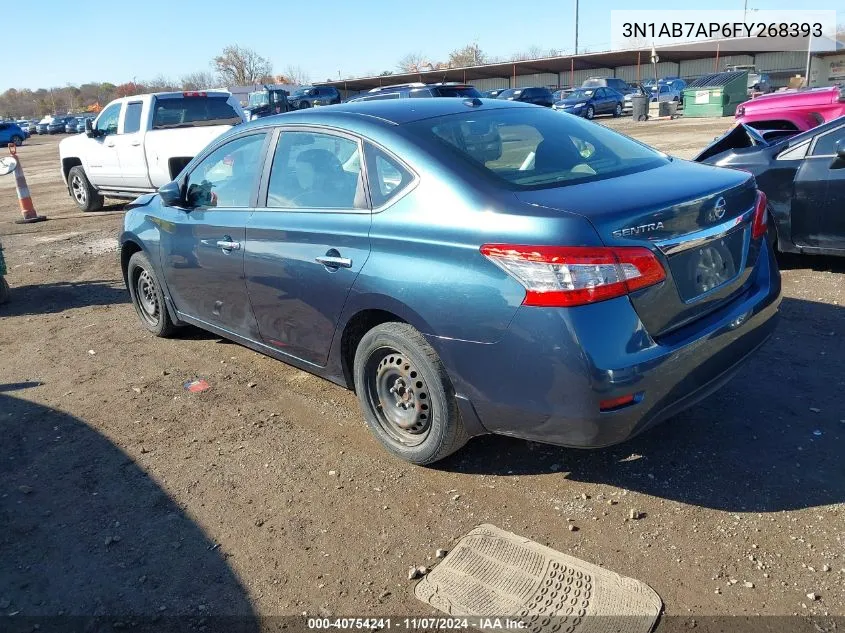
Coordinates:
column 716, row 95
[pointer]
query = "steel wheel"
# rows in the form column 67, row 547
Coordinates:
column 147, row 297
column 399, row 396
column 80, row 192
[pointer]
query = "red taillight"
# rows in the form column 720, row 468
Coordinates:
column 615, row 403
column 758, row 228
column 565, row 276
column 194, row 93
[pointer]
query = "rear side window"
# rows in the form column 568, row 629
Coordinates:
column 193, row 112
column 387, row 176
column 132, row 118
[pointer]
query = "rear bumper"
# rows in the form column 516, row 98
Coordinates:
column 545, row 378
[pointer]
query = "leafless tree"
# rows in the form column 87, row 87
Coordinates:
column 297, row 75
column 411, row 63
column 200, row 80
column 469, row 55
column 241, row 66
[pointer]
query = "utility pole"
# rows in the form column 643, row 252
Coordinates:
column 576, row 27
column 809, row 52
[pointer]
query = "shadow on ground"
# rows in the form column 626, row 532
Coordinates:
column 772, row 439
column 87, row 532
column 57, row 297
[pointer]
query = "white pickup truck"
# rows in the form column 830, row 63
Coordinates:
column 140, row 143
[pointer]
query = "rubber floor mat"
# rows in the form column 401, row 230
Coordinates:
column 492, row 573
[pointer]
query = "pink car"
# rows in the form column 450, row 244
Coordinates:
column 797, row 110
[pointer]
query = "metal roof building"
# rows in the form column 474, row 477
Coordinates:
column 687, row 61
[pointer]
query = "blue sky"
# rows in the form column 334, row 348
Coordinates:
column 116, row 41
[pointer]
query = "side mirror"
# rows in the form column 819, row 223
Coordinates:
column 171, row 195
column 89, row 128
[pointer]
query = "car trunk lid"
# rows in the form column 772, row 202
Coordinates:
column 697, row 219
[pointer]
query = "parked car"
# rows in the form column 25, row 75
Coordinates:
column 536, row 95
column 667, row 92
column 565, row 320
column 32, row 127
column 619, row 85
column 58, row 125
column 310, row 96
column 139, row 143
column 492, row 94
column 798, row 110
column 560, row 95
column 589, row 102
column 10, row 132
column 44, row 124
column 636, row 89
column 418, row 90
column 757, row 82
column 70, row 126
column 81, row 123
column 802, row 175
column 23, row 124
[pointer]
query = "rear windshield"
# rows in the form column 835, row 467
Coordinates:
column 535, row 148
column 193, row 112
column 456, row 91
column 594, row 83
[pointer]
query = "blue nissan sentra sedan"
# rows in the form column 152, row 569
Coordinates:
column 466, row 266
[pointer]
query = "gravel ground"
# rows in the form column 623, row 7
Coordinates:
column 122, row 494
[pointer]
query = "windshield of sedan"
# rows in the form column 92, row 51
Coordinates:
column 531, row 148
column 580, row 94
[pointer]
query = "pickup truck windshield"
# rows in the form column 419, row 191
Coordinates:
column 193, row 112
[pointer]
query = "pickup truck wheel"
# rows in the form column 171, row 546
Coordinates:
column 406, row 395
column 147, row 296
column 17, row 140
column 87, row 198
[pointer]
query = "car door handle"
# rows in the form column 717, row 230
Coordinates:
column 136, row 143
column 332, row 261
column 228, row 245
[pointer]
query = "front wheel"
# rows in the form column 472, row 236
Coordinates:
column 147, row 296
column 591, row 112
column 87, row 198
column 304, row 104
column 406, row 395
column 617, row 112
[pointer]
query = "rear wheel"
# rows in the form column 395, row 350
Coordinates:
column 304, row 104
column 87, row 198
column 17, row 140
column 406, row 395
column 147, row 296
column 591, row 112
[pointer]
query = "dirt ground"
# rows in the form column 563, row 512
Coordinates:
column 121, row 494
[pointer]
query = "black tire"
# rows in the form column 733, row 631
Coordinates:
column 303, row 105
column 617, row 112
column 772, row 234
column 17, row 140
column 82, row 191
column 4, row 290
column 591, row 112
column 395, row 367
column 147, row 296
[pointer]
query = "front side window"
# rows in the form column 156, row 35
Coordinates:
column 107, row 123
column 535, row 147
column 228, row 176
column 826, row 144
column 312, row 170
column 132, row 118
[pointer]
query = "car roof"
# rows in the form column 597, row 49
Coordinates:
column 391, row 111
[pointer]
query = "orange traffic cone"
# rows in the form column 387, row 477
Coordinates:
column 25, row 200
